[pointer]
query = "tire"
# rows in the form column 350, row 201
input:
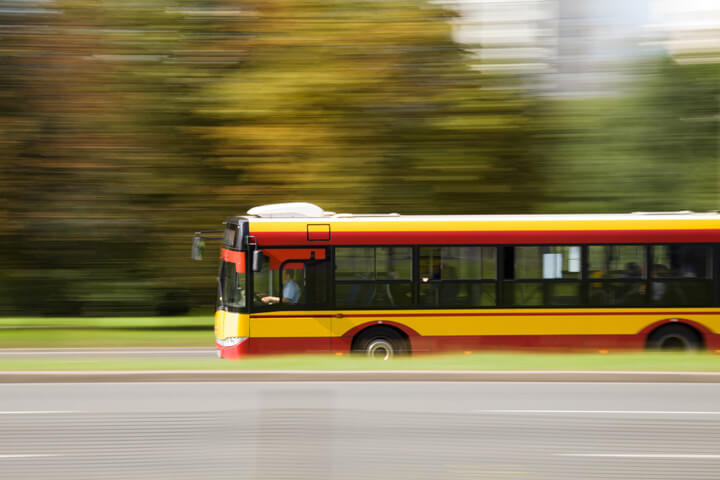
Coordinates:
column 678, row 338
column 381, row 343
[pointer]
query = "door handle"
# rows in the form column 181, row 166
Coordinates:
column 339, row 315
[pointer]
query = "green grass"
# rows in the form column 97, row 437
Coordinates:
column 55, row 332
column 194, row 321
column 52, row 338
column 480, row 361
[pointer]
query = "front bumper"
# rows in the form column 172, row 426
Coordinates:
column 233, row 348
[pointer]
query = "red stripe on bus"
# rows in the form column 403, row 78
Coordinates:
column 483, row 314
column 238, row 258
column 454, row 343
column 491, row 238
column 278, row 345
column 449, row 343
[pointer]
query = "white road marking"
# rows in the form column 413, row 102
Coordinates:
column 32, row 455
column 639, row 455
column 632, row 412
column 35, row 412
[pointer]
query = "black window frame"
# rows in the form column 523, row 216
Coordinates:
column 711, row 278
column 643, row 280
column 441, row 281
column 255, row 308
column 412, row 281
column 545, row 282
column 500, row 280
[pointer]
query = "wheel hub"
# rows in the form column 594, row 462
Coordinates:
column 380, row 349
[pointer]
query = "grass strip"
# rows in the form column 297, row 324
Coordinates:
column 481, row 361
column 109, row 322
column 78, row 338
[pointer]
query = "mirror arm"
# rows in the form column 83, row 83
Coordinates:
column 199, row 244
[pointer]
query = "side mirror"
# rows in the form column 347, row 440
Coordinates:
column 198, row 247
column 257, row 260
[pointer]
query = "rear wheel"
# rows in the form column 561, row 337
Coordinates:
column 675, row 338
column 380, row 343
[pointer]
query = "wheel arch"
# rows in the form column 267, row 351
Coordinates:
column 356, row 332
column 404, row 329
column 698, row 328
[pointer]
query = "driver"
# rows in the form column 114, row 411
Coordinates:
column 291, row 290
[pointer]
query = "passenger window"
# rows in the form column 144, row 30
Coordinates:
column 681, row 261
column 458, row 294
column 542, row 275
column 681, row 276
column 544, row 262
column 458, row 263
column 393, row 263
column 616, row 261
column 373, row 276
column 371, row 263
column 357, row 263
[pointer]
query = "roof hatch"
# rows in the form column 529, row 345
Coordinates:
column 285, row 210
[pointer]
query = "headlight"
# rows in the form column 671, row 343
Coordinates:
column 230, row 341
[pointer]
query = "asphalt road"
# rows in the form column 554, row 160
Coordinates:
column 360, row 430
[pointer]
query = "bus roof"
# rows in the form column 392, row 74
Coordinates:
column 352, row 229
column 307, row 212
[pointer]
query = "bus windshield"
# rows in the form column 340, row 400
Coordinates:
column 232, row 285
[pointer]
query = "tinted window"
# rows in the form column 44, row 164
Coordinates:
column 681, row 261
column 458, row 294
column 687, row 293
column 355, row 263
column 393, row 263
column 523, row 294
column 369, row 263
column 458, row 263
column 616, row 261
column 375, row 294
column 543, row 262
column 611, row 293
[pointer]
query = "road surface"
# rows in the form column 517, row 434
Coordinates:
column 360, row 430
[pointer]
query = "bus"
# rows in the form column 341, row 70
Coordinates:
column 295, row 278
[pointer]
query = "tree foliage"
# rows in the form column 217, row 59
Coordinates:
column 125, row 125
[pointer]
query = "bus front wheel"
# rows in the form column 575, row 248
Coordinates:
column 380, row 343
column 678, row 338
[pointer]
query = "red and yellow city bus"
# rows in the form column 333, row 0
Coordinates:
column 295, row 278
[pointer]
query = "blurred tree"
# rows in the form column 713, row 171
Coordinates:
column 127, row 124
column 368, row 105
column 93, row 111
column 655, row 147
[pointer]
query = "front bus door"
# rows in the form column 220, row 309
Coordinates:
column 292, row 285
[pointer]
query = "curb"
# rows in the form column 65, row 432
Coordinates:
column 124, row 376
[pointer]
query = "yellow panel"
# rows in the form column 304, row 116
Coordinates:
column 514, row 322
column 478, row 322
column 291, row 324
column 228, row 324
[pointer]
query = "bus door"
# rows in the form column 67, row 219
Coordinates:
column 289, row 295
